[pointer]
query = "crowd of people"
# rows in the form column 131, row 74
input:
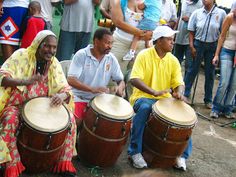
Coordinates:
column 32, row 54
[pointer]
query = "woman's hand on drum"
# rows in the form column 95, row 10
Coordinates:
column 58, row 99
column 33, row 79
column 100, row 90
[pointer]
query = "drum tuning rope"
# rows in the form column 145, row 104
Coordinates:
column 95, row 123
column 123, row 129
column 49, row 141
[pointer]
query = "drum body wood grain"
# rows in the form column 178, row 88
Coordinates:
column 167, row 132
column 105, row 131
column 40, row 144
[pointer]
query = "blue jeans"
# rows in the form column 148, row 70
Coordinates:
column 224, row 98
column 203, row 51
column 143, row 108
column 70, row 42
column 147, row 24
column 183, row 50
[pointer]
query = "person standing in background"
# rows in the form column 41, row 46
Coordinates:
column 151, row 16
column 32, row 24
column 182, row 48
column 225, row 52
column 47, row 10
column 13, row 15
column 168, row 13
column 204, row 25
column 76, row 27
column 126, row 16
column 105, row 8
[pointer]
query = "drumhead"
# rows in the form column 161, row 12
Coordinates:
column 41, row 116
column 112, row 106
column 175, row 111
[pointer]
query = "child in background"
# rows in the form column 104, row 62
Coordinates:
column 152, row 13
column 32, row 24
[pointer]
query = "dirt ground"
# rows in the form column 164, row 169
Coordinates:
column 214, row 150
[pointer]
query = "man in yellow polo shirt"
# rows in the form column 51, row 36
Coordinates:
column 155, row 72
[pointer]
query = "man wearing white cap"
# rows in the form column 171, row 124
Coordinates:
column 154, row 73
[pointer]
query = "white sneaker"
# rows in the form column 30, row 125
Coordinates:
column 230, row 116
column 129, row 56
column 214, row 115
column 181, row 164
column 138, row 161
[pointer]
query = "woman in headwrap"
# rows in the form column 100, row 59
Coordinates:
column 30, row 73
column 225, row 52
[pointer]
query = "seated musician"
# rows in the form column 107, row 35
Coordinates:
column 29, row 73
column 91, row 70
column 154, row 73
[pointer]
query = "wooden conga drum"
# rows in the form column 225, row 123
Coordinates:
column 41, row 134
column 167, row 132
column 105, row 130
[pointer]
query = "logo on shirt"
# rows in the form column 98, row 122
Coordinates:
column 8, row 28
column 217, row 18
column 108, row 65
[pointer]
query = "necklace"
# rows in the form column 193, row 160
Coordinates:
column 40, row 67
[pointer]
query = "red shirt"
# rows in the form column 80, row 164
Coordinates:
column 32, row 26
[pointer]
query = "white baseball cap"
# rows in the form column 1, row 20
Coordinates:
column 162, row 31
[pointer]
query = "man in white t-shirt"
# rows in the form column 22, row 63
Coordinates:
column 91, row 70
column 76, row 27
column 47, row 10
column 168, row 13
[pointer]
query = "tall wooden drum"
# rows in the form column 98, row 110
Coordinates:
column 167, row 132
column 105, row 130
column 42, row 133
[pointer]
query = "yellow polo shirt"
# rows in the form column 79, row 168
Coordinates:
column 159, row 74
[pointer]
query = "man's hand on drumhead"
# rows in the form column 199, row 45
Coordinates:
column 178, row 95
column 120, row 91
column 100, row 90
column 57, row 99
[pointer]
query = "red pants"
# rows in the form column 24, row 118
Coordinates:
column 80, row 109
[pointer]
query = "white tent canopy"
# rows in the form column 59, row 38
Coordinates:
column 224, row 3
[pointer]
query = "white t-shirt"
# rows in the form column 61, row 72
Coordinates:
column 47, row 9
column 168, row 12
column 78, row 17
column 16, row 3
